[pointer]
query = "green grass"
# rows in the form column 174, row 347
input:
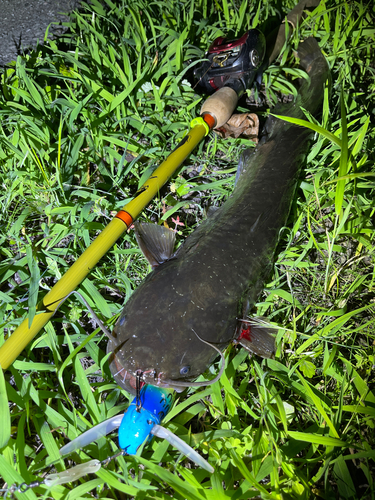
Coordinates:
column 82, row 123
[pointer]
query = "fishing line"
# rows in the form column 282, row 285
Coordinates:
column 204, row 74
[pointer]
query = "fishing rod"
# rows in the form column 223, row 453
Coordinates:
column 215, row 112
column 232, row 67
column 24, row 333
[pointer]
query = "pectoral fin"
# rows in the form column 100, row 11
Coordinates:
column 256, row 336
column 156, row 242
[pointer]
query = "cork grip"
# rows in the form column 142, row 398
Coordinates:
column 221, row 105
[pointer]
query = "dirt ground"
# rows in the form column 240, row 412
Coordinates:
column 23, row 23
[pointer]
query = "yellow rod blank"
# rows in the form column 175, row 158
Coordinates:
column 14, row 345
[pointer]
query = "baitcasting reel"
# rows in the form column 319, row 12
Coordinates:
column 232, row 63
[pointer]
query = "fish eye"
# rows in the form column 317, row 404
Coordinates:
column 185, row 370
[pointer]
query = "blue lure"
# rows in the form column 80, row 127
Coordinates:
column 137, row 425
column 141, row 417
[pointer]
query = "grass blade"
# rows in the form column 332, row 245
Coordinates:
column 312, row 126
column 4, row 413
column 343, row 168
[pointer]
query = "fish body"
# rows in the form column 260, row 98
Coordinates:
column 216, row 275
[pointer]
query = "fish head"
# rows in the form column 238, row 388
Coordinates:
column 144, row 363
column 152, row 361
column 160, row 347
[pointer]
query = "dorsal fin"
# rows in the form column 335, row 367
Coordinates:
column 156, row 242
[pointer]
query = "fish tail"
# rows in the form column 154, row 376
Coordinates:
column 256, row 335
column 310, row 92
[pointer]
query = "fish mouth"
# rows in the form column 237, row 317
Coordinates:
column 128, row 379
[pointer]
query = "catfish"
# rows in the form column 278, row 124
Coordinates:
column 191, row 304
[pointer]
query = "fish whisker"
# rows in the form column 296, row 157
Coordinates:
column 174, row 383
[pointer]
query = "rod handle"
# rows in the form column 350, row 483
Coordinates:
column 220, row 105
